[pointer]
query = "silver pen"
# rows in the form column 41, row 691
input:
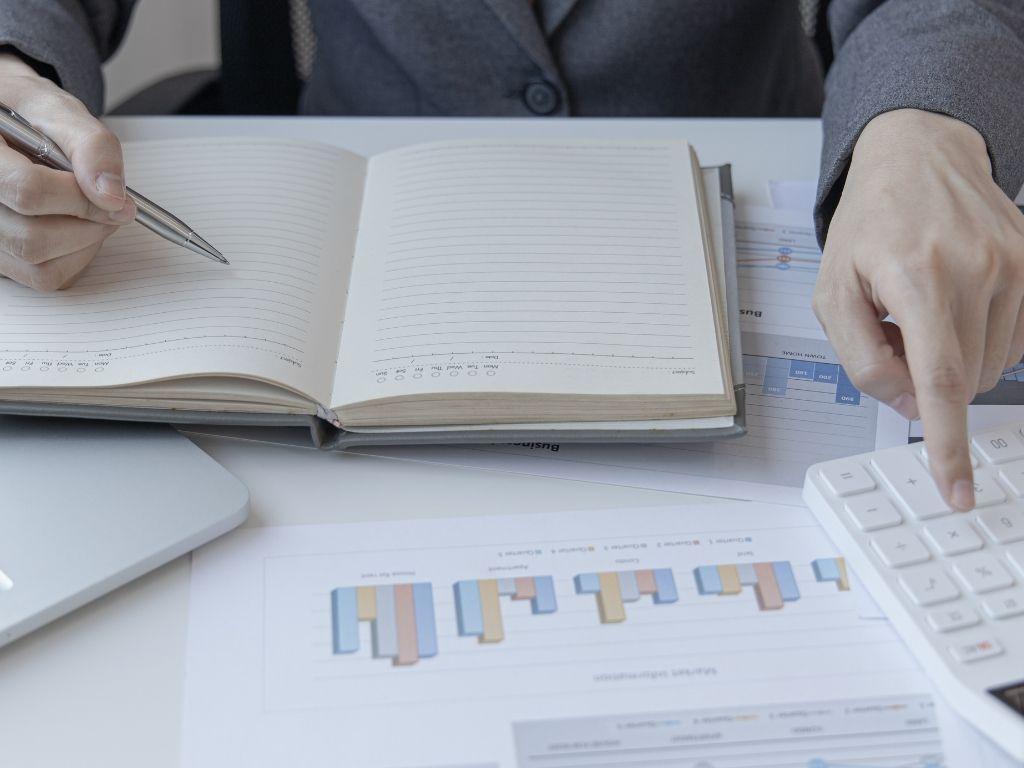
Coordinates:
column 20, row 135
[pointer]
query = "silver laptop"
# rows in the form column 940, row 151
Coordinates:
column 86, row 507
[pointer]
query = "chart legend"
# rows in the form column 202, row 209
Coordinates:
column 774, row 583
column 832, row 569
column 478, row 603
column 616, row 588
column 401, row 618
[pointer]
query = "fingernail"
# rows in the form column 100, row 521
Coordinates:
column 111, row 185
column 963, row 495
column 125, row 215
column 906, row 406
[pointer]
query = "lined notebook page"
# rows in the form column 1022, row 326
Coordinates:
column 283, row 213
column 530, row 266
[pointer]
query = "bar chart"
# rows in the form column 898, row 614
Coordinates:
column 774, row 375
column 478, row 605
column 832, row 569
column 774, row 583
column 401, row 618
column 614, row 589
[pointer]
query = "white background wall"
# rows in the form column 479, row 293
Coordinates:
column 166, row 37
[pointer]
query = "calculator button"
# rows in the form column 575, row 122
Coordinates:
column 1004, row 525
column 1013, row 475
column 999, row 445
column 924, row 457
column 1016, row 556
column 982, row 649
column 953, row 536
column 1004, row 605
column 899, row 547
column 869, row 513
column 986, row 490
column 845, row 478
column 928, row 586
column 910, row 483
column 982, row 573
column 949, row 619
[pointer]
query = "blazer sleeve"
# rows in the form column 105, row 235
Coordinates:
column 67, row 39
column 962, row 58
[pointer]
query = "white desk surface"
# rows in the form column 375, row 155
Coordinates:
column 103, row 687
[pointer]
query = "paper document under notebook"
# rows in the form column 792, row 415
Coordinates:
column 540, row 630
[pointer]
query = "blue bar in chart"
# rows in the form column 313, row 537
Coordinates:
column 666, row 586
column 846, row 393
column 776, row 377
column 426, row 624
column 470, row 614
column 786, row 580
column 709, row 582
column 346, row 620
column 544, row 601
column 826, row 373
column 801, row 369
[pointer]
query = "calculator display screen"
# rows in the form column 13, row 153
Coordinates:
column 1012, row 696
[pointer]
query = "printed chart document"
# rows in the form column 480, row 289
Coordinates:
column 801, row 405
column 593, row 638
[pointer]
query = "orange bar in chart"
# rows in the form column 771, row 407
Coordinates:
column 645, row 582
column 729, row 575
column 844, row 577
column 526, row 589
column 609, row 599
column 366, row 603
column 494, row 631
column 769, row 598
column 405, row 624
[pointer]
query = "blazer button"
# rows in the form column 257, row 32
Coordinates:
column 541, row 97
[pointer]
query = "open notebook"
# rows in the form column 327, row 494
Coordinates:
column 459, row 290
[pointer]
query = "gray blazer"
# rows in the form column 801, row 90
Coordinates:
column 964, row 58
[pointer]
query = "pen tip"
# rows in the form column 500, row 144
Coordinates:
column 207, row 249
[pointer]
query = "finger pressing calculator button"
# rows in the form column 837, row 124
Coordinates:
column 1004, row 525
column 982, row 573
column 999, row 445
column 928, row 586
column 952, row 536
column 981, row 649
column 950, row 619
column 873, row 511
column 845, row 478
column 899, row 547
column 986, row 490
column 924, row 457
column 910, row 483
column 1005, row 604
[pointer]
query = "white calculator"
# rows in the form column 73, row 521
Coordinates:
column 951, row 583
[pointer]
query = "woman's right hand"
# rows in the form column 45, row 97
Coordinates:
column 52, row 223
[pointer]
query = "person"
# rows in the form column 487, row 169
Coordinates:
column 923, row 145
